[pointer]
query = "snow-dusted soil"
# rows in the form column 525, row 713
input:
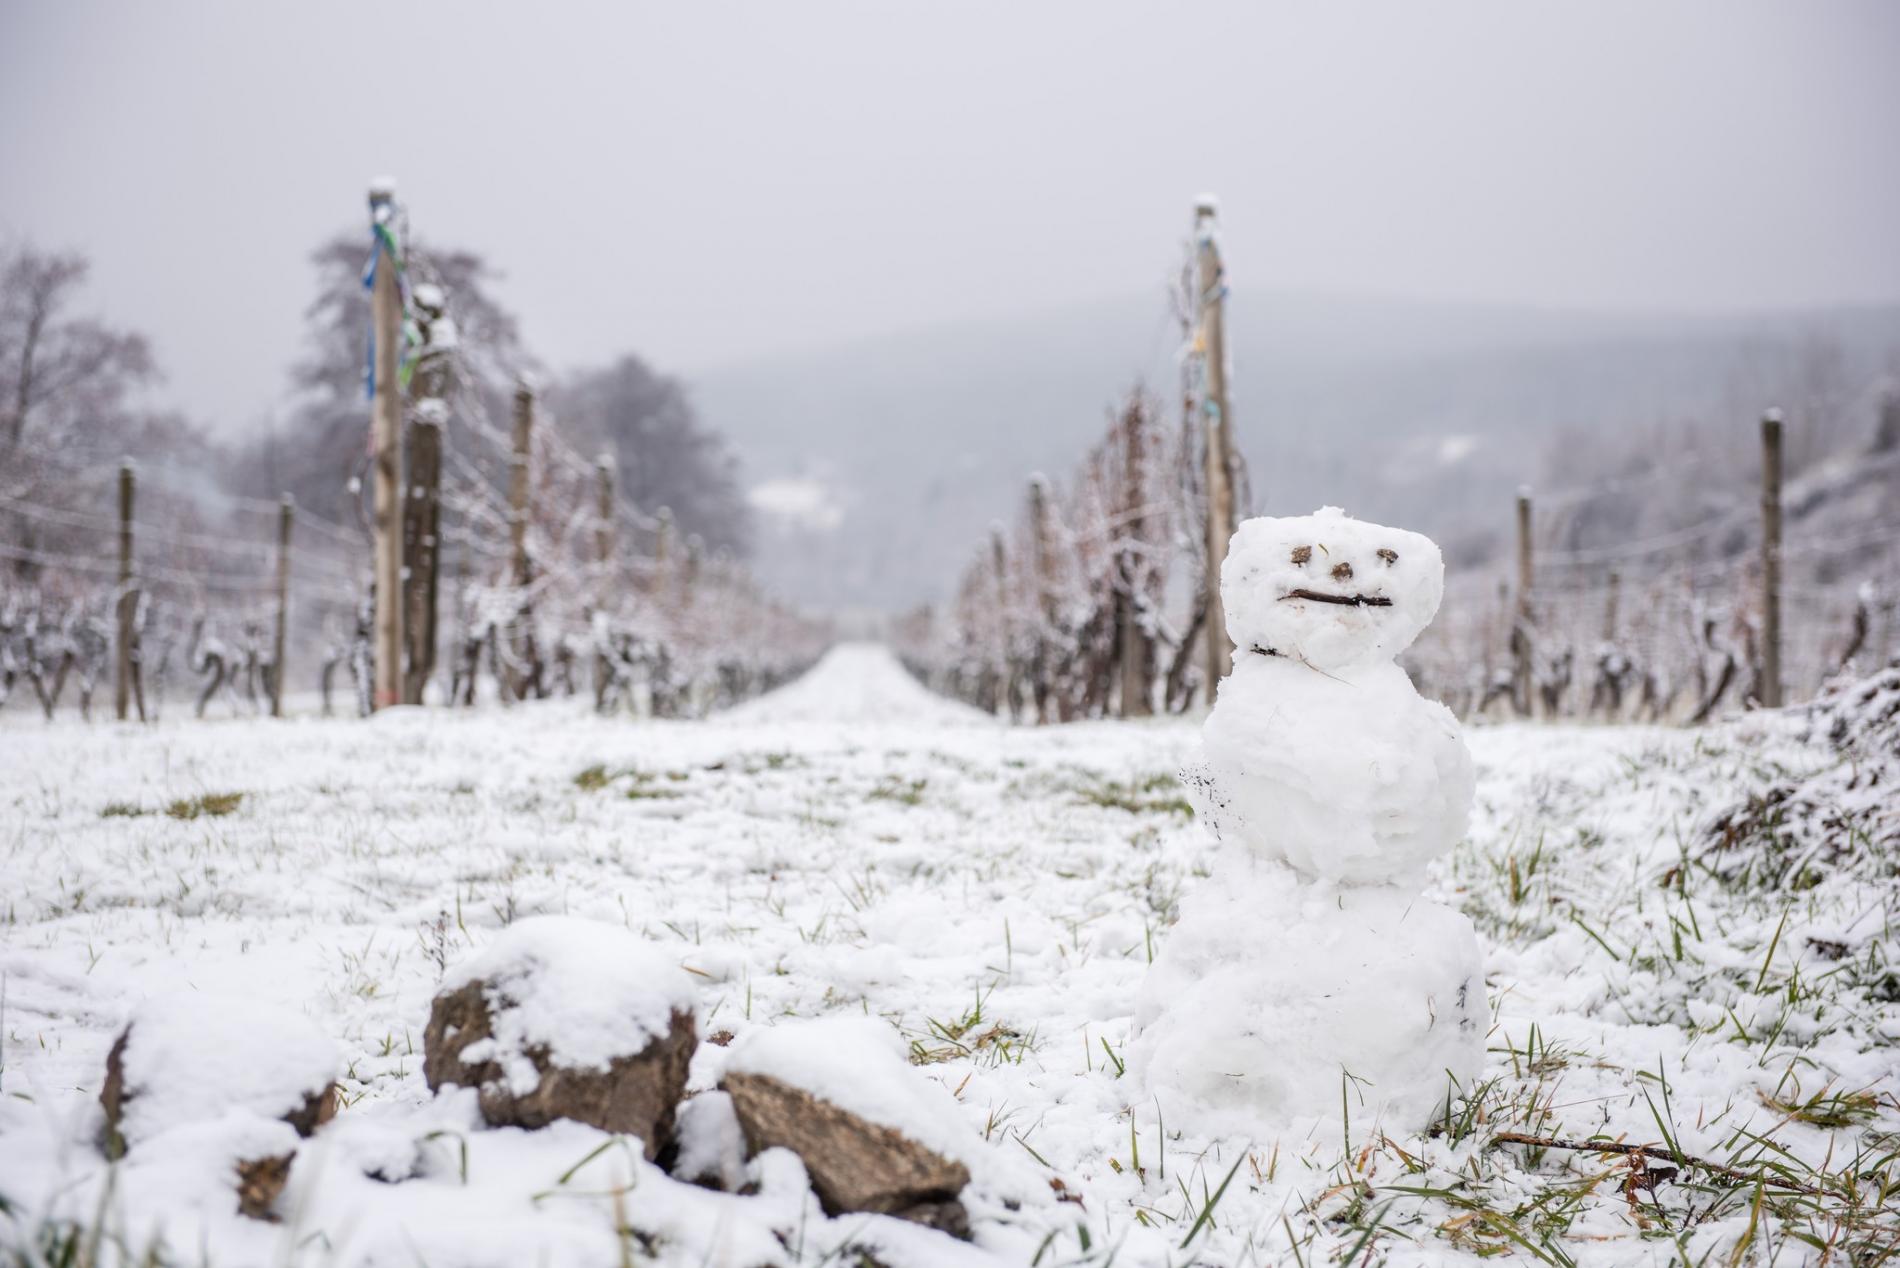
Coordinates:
column 854, row 846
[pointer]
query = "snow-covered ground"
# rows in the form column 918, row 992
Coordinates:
column 853, row 846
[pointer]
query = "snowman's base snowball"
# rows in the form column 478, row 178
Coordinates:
column 1278, row 1003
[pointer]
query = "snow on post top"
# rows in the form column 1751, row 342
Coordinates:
column 190, row 1057
column 1329, row 590
column 382, row 188
column 584, row 990
column 860, row 1065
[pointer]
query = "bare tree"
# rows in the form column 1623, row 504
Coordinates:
column 665, row 455
column 63, row 379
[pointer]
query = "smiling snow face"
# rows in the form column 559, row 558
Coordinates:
column 1328, row 589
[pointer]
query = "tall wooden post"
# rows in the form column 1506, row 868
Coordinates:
column 519, row 469
column 1212, row 305
column 286, row 511
column 421, row 532
column 662, row 549
column 524, row 673
column 604, row 515
column 422, row 488
column 999, row 569
column 128, row 600
column 386, row 435
column 1771, row 559
column 1045, row 594
column 1609, row 607
column 1137, row 651
column 1521, row 672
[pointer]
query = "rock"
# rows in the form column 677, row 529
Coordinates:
column 226, row 1069
column 855, row 1165
column 874, row 1135
column 567, row 1018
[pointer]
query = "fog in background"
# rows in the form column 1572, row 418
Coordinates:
column 904, row 256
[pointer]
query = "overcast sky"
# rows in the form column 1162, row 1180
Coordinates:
column 711, row 183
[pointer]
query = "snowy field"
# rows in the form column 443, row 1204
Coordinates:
column 854, row 846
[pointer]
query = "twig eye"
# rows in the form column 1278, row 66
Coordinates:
column 1301, row 554
column 1388, row 554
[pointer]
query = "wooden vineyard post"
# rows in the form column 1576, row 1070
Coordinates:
column 386, row 439
column 1137, row 654
column 286, row 511
column 1212, row 337
column 521, row 568
column 1609, row 607
column 422, row 491
column 604, row 515
column 1521, row 626
column 1771, row 559
column 1006, row 678
column 128, row 600
column 1045, row 595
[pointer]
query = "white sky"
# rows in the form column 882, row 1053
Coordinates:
column 710, row 183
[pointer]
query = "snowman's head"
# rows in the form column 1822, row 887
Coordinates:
column 1329, row 590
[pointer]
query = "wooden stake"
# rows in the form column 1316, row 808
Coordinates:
column 386, row 434
column 998, row 562
column 286, row 511
column 1771, row 559
column 128, row 601
column 1521, row 627
column 518, row 473
column 1137, row 654
column 523, row 673
column 1212, row 304
column 604, row 513
column 1045, row 594
column 1524, row 552
column 429, row 387
column 421, row 529
column 1609, row 609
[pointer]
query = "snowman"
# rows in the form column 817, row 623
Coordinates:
column 1307, row 978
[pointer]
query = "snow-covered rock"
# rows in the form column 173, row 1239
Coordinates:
column 192, row 1057
column 561, row 1017
column 874, row 1134
column 204, row 1085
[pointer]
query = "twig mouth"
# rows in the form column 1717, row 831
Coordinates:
column 1344, row 600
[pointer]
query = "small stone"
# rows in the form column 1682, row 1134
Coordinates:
column 200, row 1067
column 855, row 1164
column 567, row 1018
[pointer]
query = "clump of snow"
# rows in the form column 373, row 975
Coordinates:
column 192, row 1057
column 582, row 991
column 860, row 1065
column 1288, row 1003
column 711, row 1142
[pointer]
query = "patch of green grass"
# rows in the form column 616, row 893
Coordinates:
column 593, row 779
column 209, row 805
column 1159, row 793
column 908, row 792
column 122, row 810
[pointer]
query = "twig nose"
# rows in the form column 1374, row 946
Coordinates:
column 1342, row 572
